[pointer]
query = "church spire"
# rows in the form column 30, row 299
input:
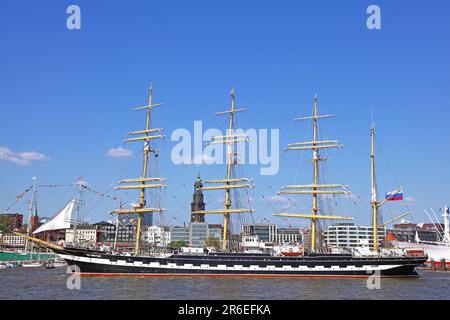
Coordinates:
column 198, row 203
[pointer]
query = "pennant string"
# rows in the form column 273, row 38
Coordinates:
column 18, row 198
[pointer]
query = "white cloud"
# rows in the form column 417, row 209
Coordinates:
column 21, row 158
column 119, row 152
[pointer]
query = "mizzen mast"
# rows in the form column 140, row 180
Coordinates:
column 229, row 183
column 315, row 189
column 144, row 182
column 375, row 204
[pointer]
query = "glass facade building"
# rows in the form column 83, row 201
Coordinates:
column 348, row 235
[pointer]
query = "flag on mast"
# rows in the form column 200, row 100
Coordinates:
column 394, row 195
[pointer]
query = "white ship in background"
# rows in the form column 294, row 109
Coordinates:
column 437, row 251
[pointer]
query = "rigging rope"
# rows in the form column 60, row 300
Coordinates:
column 100, row 194
column 18, row 198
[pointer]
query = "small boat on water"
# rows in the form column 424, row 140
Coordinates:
column 60, row 264
column 55, row 264
column 33, row 265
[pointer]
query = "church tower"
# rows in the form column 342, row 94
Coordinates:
column 198, row 203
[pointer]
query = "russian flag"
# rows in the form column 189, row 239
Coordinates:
column 394, row 196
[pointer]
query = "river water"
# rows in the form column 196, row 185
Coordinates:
column 51, row 284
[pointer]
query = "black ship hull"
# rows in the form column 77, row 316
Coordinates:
column 95, row 263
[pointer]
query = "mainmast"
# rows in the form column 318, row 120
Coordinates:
column 144, row 182
column 315, row 189
column 230, row 140
column 375, row 203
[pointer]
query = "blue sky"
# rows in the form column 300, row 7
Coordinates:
column 67, row 95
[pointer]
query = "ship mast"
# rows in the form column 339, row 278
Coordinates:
column 375, row 203
column 79, row 202
column 32, row 211
column 230, row 140
column 144, row 182
column 316, row 188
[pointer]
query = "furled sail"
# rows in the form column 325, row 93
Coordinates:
column 60, row 221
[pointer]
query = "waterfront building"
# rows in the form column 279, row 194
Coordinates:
column 126, row 235
column 147, row 220
column 349, row 235
column 85, row 235
column 12, row 241
column 407, row 232
column 106, row 233
column 287, row 235
column 431, row 232
column 157, row 236
column 215, row 231
column 265, row 232
column 10, row 222
column 196, row 234
column 270, row 233
column 180, row 234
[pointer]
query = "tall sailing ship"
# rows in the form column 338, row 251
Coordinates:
column 230, row 262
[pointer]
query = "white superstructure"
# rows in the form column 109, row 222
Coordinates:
column 436, row 251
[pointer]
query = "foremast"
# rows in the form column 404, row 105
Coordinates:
column 144, row 182
column 229, row 183
column 316, row 188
